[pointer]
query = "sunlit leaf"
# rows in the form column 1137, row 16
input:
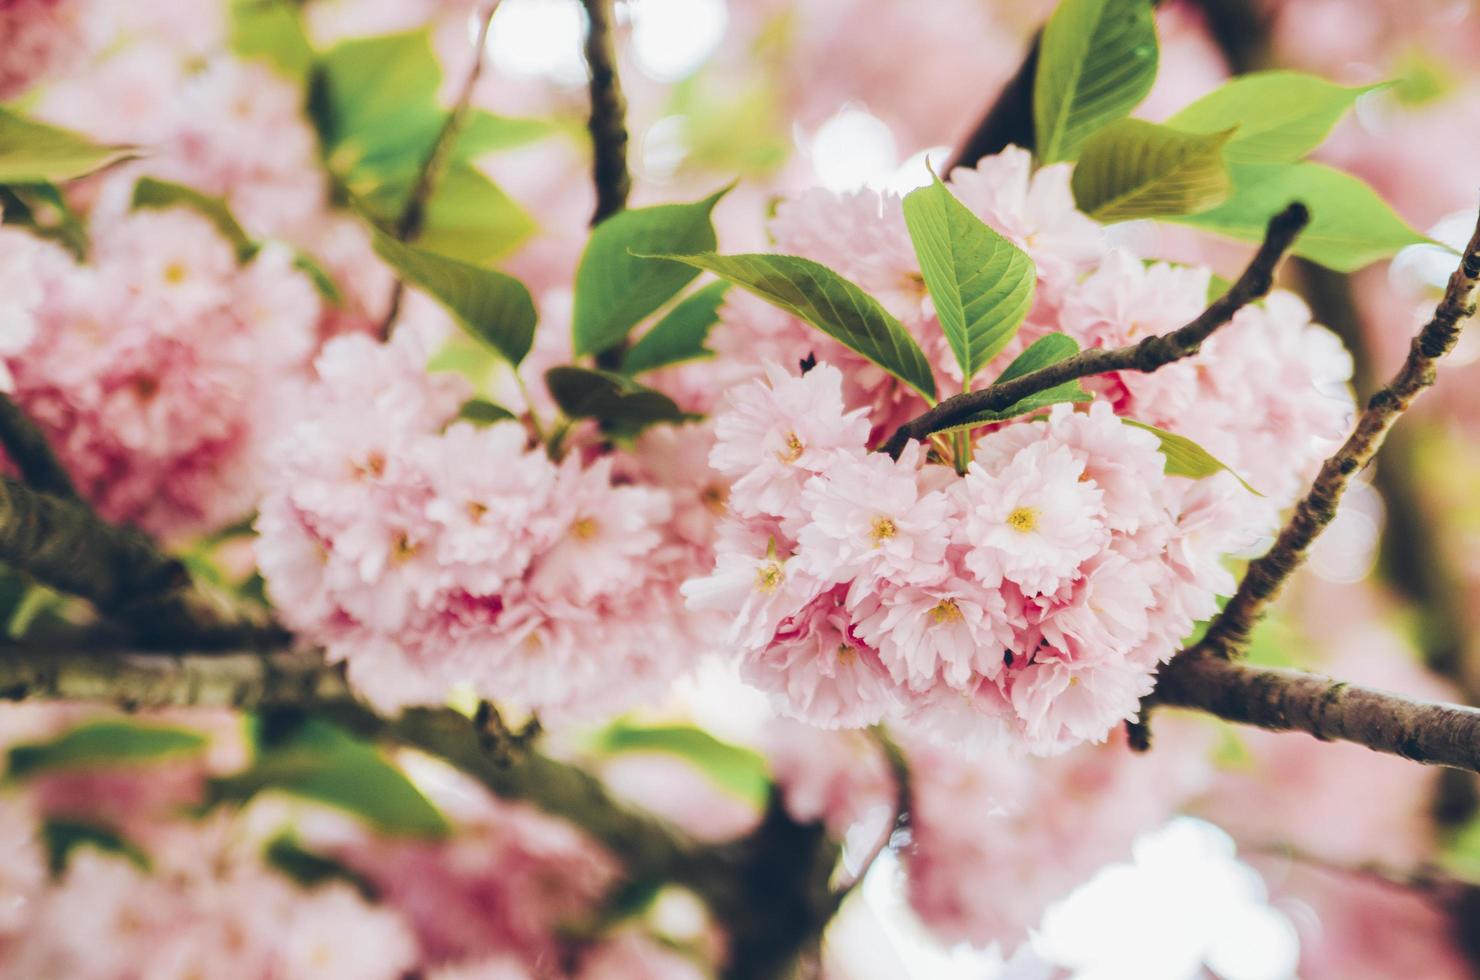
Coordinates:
column 832, row 304
column 1097, row 60
column 34, row 152
column 616, row 287
column 1280, row 116
column 679, row 336
column 1350, row 226
column 982, row 285
column 1186, row 458
column 491, row 306
column 1135, row 169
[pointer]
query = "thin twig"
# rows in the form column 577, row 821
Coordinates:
column 414, row 211
column 1229, row 632
column 1289, row 700
column 608, row 122
column 1146, row 355
column 27, row 447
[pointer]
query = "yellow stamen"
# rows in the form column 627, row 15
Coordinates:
column 945, row 611
column 176, row 273
column 882, row 530
column 846, row 654
column 584, row 528
column 373, row 465
column 403, row 549
column 476, row 510
column 1024, row 519
column 768, row 577
column 715, row 497
column 794, row 449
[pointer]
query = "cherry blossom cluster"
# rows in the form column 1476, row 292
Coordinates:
column 497, row 896
column 428, row 555
column 1029, row 601
column 157, row 366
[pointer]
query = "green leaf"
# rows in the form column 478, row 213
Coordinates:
column 102, row 743
column 374, row 103
column 679, row 336
column 41, row 210
column 310, row 870
column 832, row 304
column 616, row 287
column 1135, row 169
column 271, row 30
column 492, row 307
column 1280, row 115
column 982, row 285
column 33, row 152
column 485, row 132
column 739, row 771
column 1046, row 350
column 1350, row 225
column 482, row 412
column 151, row 193
column 319, row 276
column 61, row 837
column 1186, row 458
column 622, row 406
column 320, row 762
column 468, row 216
column 1096, row 61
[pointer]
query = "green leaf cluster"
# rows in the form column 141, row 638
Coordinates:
column 374, row 103
column 1227, row 163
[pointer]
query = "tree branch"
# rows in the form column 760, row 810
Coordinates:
column 1288, row 700
column 434, row 165
column 608, row 123
column 770, row 888
column 27, row 447
column 1230, row 630
column 1147, row 355
column 118, row 569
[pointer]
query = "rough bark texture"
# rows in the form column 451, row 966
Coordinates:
column 28, row 449
column 608, row 122
column 1146, row 355
column 1230, row 631
column 1287, row 700
column 64, row 545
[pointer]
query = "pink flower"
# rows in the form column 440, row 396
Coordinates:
column 755, row 585
column 952, row 631
column 605, row 537
column 826, row 674
column 492, row 501
column 868, row 518
column 772, row 436
column 1032, row 521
